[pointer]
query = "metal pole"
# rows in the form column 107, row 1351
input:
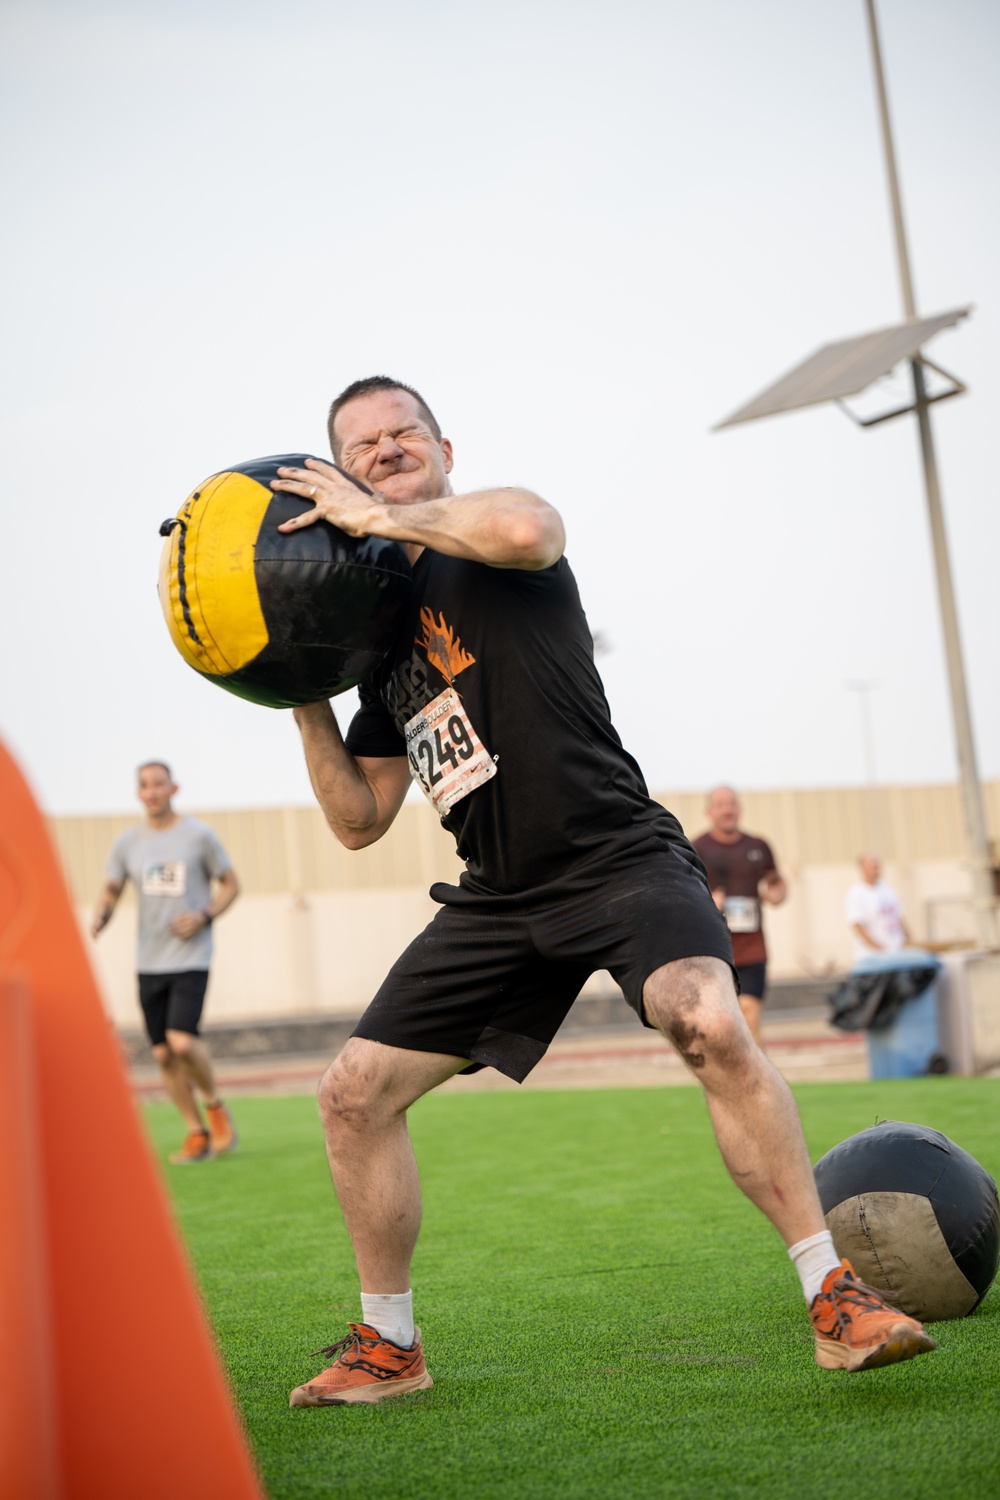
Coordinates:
column 867, row 736
column 871, row 775
column 981, row 867
column 983, row 893
column 899, row 228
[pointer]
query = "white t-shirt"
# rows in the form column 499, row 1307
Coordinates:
column 877, row 909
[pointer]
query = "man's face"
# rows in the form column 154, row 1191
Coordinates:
column 384, row 440
column 870, row 868
column 723, row 810
column 155, row 790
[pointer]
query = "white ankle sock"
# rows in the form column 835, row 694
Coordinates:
column 391, row 1315
column 814, row 1259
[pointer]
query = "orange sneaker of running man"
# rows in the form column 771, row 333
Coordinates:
column 367, row 1367
column 220, row 1123
column 197, row 1147
column 857, row 1330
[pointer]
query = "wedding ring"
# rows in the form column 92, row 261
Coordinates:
column 312, row 493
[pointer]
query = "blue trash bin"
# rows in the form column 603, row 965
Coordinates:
column 904, row 1048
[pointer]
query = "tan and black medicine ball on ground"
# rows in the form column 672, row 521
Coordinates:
column 915, row 1215
column 278, row 618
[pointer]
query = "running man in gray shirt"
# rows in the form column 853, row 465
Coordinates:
column 172, row 861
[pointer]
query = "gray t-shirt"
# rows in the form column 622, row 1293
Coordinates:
column 172, row 870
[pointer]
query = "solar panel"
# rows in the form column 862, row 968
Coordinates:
column 844, row 368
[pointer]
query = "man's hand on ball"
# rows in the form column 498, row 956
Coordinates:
column 335, row 499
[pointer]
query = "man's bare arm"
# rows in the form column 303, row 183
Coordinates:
column 226, row 891
column 866, row 938
column 773, row 889
column 187, row 923
column 106, row 903
column 504, row 528
column 359, row 797
column 507, row 528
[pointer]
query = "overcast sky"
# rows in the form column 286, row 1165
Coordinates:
column 587, row 232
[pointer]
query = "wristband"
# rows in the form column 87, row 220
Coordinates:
column 208, row 918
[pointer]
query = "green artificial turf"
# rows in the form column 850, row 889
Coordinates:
column 603, row 1313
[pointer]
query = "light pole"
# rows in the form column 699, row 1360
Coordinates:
column 863, row 688
column 847, row 367
column 983, row 898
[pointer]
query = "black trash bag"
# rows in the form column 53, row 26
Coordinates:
column 871, row 1001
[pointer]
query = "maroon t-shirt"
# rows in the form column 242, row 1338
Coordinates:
column 739, row 869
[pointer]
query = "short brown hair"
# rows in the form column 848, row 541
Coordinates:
column 148, row 765
column 366, row 387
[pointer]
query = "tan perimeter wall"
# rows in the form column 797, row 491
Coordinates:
column 317, row 927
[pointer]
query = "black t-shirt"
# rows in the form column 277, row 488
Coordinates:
column 528, row 710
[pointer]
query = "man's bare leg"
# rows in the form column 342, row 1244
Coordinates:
column 194, row 1058
column 751, row 1007
column 693, row 1002
column 363, row 1100
column 178, row 1086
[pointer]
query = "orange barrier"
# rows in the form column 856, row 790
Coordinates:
column 110, row 1386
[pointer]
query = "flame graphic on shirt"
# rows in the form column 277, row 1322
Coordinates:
column 444, row 649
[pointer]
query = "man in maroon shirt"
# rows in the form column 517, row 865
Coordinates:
column 742, row 873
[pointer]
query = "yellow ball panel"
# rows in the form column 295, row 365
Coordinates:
column 208, row 587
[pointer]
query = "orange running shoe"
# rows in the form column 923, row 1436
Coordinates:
column 856, row 1329
column 197, row 1147
column 220, row 1123
column 367, row 1367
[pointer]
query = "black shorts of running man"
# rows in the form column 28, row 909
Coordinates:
column 172, row 1002
column 492, row 977
column 753, row 980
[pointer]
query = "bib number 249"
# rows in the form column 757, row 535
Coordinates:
column 447, row 758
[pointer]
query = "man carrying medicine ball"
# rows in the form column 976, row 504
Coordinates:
column 491, row 702
column 172, row 862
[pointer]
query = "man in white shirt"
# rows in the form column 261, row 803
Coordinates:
column 874, row 912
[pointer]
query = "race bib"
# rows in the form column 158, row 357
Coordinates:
column 169, row 879
column 447, row 758
column 742, row 913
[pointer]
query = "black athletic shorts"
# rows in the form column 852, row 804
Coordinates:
column 172, row 1002
column 492, row 977
column 753, row 980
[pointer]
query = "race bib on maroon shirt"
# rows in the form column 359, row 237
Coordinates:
column 742, row 913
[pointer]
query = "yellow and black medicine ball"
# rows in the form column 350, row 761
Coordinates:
column 278, row 618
